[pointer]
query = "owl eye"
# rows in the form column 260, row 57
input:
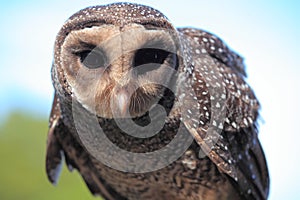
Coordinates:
column 150, row 56
column 92, row 59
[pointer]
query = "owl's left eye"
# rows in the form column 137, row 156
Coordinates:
column 151, row 57
column 92, row 59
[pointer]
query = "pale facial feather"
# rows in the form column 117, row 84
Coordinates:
column 102, row 90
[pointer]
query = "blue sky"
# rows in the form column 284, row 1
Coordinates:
column 265, row 32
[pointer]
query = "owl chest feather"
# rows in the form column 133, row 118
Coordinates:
column 189, row 177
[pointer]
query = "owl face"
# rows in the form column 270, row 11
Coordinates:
column 117, row 72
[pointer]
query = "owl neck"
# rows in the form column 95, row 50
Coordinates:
column 116, row 130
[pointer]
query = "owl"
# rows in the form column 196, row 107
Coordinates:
column 144, row 110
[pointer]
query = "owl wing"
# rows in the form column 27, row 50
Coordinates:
column 216, row 48
column 220, row 111
column 62, row 144
column 54, row 152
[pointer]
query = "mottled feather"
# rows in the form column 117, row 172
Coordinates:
column 205, row 96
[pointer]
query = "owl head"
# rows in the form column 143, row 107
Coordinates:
column 116, row 60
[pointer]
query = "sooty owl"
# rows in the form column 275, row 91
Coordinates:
column 144, row 110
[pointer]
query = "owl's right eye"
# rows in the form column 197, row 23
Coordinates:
column 92, row 59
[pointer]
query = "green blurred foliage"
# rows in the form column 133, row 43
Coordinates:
column 22, row 164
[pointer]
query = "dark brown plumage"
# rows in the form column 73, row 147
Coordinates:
column 115, row 68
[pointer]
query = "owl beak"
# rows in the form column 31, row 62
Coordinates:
column 122, row 102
